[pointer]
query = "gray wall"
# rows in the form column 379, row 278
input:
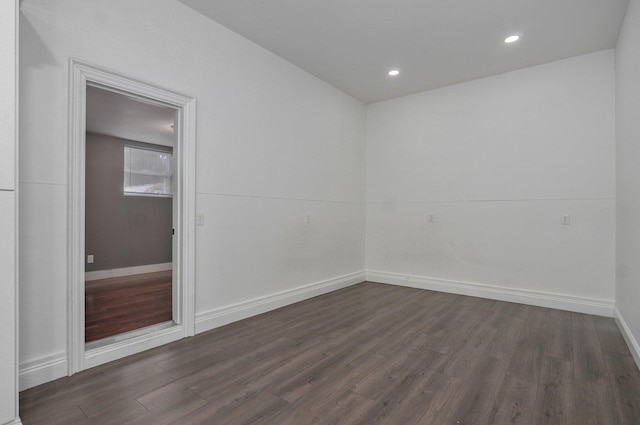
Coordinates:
column 121, row 231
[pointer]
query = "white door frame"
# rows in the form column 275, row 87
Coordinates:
column 82, row 74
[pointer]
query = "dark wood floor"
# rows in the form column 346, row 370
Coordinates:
column 122, row 304
column 368, row 354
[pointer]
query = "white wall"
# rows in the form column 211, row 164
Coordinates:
column 628, row 176
column 8, row 42
column 8, row 345
column 497, row 162
column 8, row 194
column 273, row 143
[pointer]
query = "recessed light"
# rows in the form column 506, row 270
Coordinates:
column 394, row 72
column 512, row 39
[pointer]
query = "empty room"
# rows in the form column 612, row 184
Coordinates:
column 320, row 212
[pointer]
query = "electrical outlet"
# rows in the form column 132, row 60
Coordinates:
column 89, row 259
column 432, row 218
column 200, row 219
column 565, row 220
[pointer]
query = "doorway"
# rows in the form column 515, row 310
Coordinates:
column 131, row 215
column 129, row 190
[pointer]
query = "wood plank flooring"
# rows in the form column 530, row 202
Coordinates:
column 367, row 354
column 122, row 304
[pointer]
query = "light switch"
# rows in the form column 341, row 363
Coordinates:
column 565, row 220
column 89, row 259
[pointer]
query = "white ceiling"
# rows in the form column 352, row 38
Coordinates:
column 351, row 44
column 129, row 118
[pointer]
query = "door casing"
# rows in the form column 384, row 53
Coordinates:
column 81, row 75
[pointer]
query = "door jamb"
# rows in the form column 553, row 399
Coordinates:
column 81, row 74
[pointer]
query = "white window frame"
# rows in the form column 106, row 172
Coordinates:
column 151, row 194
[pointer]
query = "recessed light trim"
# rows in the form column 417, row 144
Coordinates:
column 393, row 73
column 512, row 38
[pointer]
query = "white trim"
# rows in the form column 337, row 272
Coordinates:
column 40, row 371
column 111, row 352
column 538, row 298
column 127, row 335
column 221, row 316
column 10, row 106
column 80, row 75
column 634, row 347
column 127, row 271
column 52, row 367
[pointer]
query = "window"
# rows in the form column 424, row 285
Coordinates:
column 147, row 172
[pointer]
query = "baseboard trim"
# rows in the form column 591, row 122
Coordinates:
column 42, row 370
column 49, row 368
column 14, row 422
column 634, row 347
column 127, row 271
column 46, row 369
column 538, row 298
column 221, row 316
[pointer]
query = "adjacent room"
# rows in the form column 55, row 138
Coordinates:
column 128, row 216
column 326, row 212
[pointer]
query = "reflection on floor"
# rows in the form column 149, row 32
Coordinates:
column 122, row 304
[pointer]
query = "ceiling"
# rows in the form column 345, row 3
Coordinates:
column 352, row 44
column 123, row 116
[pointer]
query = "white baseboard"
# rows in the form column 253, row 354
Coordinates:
column 42, row 370
column 538, row 298
column 221, row 316
column 53, row 367
column 127, row 271
column 46, row 369
column 634, row 347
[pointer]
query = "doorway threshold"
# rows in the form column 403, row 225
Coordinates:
column 128, row 335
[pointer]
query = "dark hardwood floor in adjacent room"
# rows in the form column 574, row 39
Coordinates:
column 122, row 304
column 367, row 354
